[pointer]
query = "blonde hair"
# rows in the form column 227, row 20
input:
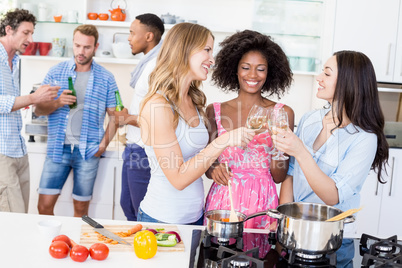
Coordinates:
column 181, row 42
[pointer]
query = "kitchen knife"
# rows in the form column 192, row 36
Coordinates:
column 100, row 229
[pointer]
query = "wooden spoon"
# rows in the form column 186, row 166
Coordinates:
column 233, row 216
column 344, row 214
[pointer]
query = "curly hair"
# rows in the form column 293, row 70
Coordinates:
column 279, row 77
column 14, row 18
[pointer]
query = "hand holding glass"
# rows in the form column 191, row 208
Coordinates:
column 279, row 120
column 257, row 118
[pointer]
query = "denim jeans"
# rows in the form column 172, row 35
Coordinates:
column 143, row 217
column 134, row 180
column 54, row 175
column 345, row 254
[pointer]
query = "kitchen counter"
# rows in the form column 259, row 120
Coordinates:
column 22, row 245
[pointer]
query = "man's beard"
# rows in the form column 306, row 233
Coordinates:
column 86, row 60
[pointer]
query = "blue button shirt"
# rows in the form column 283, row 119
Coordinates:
column 346, row 157
column 12, row 144
column 99, row 95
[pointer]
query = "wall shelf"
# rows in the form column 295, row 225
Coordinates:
column 97, row 59
column 62, row 22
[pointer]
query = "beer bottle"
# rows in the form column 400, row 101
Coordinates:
column 73, row 92
column 119, row 103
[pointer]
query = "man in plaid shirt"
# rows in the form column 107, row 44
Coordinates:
column 16, row 30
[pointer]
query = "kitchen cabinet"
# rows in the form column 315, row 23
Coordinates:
column 375, row 30
column 381, row 203
column 296, row 26
column 105, row 203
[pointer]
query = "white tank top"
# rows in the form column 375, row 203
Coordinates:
column 164, row 202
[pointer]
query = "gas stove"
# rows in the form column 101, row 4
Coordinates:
column 257, row 250
column 379, row 252
column 253, row 250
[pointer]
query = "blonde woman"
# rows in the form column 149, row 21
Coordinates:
column 173, row 129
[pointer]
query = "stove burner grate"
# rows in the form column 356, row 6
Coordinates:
column 240, row 259
column 380, row 252
column 297, row 259
column 213, row 241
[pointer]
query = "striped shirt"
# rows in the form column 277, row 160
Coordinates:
column 99, row 95
column 12, row 144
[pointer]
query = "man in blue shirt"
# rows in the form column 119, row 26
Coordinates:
column 16, row 30
column 76, row 138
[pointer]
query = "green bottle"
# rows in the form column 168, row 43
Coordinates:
column 73, row 92
column 119, row 103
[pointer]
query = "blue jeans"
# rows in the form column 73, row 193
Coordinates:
column 134, row 180
column 54, row 175
column 143, row 217
column 345, row 254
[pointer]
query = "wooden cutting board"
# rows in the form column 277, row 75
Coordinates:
column 89, row 236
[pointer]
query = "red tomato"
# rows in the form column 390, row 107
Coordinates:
column 79, row 253
column 59, row 249
column 63, row 238
column 99, row 251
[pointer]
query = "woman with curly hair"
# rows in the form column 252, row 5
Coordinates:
column 173, row 130
column 255, row 67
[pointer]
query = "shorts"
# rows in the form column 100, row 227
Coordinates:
column 54, row 175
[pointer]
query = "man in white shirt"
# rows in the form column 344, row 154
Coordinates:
column 145, row 36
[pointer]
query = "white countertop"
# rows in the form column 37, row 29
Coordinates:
column 22, row 245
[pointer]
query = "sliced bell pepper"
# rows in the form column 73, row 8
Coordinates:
column 165, row 240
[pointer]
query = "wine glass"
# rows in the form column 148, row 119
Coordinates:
column 256, row 119
column 279, row 120
column 270, row 121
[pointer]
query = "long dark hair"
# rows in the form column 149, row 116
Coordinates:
column 356, row 93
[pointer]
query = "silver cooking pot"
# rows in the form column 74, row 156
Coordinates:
column 218, row 228
column 302, row 227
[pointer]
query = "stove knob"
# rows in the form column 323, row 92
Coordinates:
column 239, row 262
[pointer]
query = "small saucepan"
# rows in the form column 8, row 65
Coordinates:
column 219, row 228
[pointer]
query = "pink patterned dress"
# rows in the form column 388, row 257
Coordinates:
column 253, row 188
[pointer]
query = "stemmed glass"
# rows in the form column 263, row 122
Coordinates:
column 270, row 121
column 278, row 119
column 256, row 119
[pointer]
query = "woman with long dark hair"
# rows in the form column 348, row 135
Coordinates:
column 334, row 148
